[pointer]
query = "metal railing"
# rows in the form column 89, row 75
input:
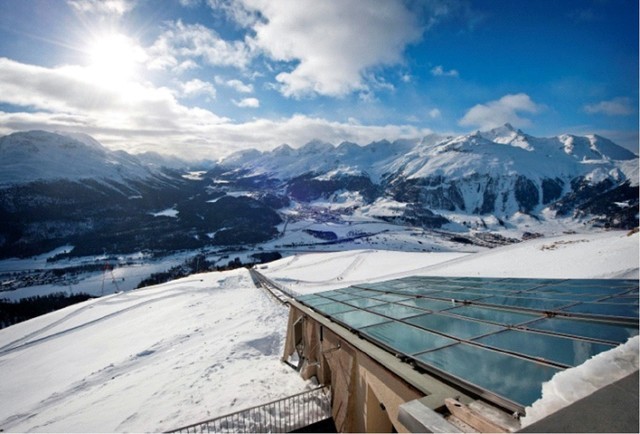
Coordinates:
column 284, row 415
column 281, row 293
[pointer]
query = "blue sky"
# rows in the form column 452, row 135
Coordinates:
column 202, row 78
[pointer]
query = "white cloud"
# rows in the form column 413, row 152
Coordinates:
column 102, row 7
column 138, row 117
column 189, row 3
column 331, row 44
column 119, row 109
column 197, row 87
column 184, row 42
column 496, row 113
column 235, row 84
column 439, row 71
column 434, row 113
column 621, row 106
column 248, row 102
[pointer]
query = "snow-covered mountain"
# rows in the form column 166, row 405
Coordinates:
column 500, row 172
column 43, row 156
column 68, row 189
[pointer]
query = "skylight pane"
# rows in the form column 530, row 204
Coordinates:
column 498, row 316
column 317, row 301
column 390, row 297
column 364, row 302
column 405, row 339
column 606, row 309
column 513, row 378
column 396, row 311
column 526, row 303
column 359, row 318
column 342, row 297
column 427, row 303
column 452, row 326
column 588, row 329
column 564, row 350
column 332, row 308
column 459, row 295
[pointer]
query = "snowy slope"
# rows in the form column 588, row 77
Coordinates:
column 209, row 344
column 146, row 360
column 498, row 172
column 40, row 155
column 493, row 152
column 285, row 162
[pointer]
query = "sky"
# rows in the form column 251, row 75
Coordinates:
column 205, row 78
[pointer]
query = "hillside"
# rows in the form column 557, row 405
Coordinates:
column 173, row 354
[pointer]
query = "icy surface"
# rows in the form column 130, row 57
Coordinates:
column 571, row 385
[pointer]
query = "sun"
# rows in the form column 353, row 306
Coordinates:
column 114, row 57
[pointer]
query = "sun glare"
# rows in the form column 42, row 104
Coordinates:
column 114, row 58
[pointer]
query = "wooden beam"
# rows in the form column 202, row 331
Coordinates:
column 471, row 418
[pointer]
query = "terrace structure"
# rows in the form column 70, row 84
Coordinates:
column 447, row 354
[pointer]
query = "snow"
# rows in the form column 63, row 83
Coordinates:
column 169, row 212
column 573, row 384
column 595, row 255
column 209, row 344
column 146, row 360
column 196, row 175
column 40, row 155
column 313, row 272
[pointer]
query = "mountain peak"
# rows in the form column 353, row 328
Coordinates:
column 316, row 146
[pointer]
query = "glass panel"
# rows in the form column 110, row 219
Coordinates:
column 603, row 282
column 633, row 299
column 458, row 295
column 531, row 282
column 513, row 378
column 511, row 286
column 452, row 326
column 365, row 293
column 406, row 339
column 427, row 303
column 505, row 317
column 580, row 289
column 329, row 294
column 335, row 307
column 608, row 309
column 364, row 302
column 307, row 297
column 359, row 318
column 396, row 311
column 589, row 329
column 342, row 296
column 568, row 351
column 313, row 302
column 567, row 296
column 390, row 297
column 419, row 291
column 526, row 303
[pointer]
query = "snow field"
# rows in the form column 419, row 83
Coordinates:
column 147, row 360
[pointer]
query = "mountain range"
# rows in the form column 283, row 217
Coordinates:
column 60, row 188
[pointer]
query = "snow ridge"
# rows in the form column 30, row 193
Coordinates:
column 494, row 152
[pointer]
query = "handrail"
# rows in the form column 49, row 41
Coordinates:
column 282, row 415
column 281, row 293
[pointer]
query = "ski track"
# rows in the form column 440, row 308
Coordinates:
column 18, row 344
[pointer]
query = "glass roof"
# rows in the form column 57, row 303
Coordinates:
column 499, row 338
